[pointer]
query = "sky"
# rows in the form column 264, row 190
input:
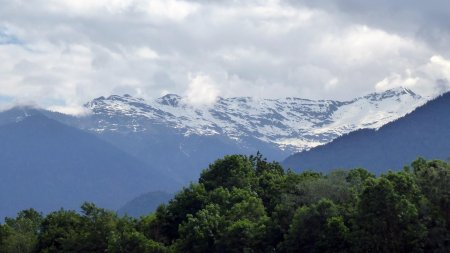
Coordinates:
column 60, row 54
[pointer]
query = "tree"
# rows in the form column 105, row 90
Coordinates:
column 231, row 171
column 60, row 232
column 386, row 220
column 127, row 239
column 169, row 217
column 97, row 225
column 245, row 204
column 295, row 193
column 200, row 231
column 315, row 228
column 433, row 179
column 20, row 234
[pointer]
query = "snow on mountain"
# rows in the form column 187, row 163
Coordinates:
column 290, row 123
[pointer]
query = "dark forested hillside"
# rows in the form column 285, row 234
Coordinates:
column 424, row 132
column 47, row 165
column 246, row 204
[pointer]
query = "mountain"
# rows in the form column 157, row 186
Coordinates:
column 145, row 204
column 172, row 136
column 47, row 165
column 292, row 124
column 424, row 132
column 183, row 139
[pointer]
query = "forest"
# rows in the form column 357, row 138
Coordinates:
column 248, row 204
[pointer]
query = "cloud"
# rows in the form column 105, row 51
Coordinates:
column 75, row 109
column 73, row 51
column 146, row 53
column 6, row 38
column 429, row 79
column 441, row 65
column 201, row 91
column 155, row 9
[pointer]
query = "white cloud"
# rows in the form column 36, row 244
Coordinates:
column 175, row 10
column 171, row 9
column 439, row 66
column 87, row 7
column 76, row 110
column 397, row 80
column 202, row 90
column 363, row 45
column 61, row 54
column 429, row 79
column 332, row 84
column 146, row 53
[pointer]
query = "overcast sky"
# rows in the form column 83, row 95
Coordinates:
column 60, row 54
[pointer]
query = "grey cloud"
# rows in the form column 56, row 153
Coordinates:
column 426, row 20
column 313, row 49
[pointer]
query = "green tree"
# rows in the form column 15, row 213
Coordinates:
column 231, row 171
column 200, row 231
column 294, row 195
column 433, row 179
column 169, row 217
column 97, row 226
column 314, row 229
column 127, row 239
column 270, row 189
column 68, row 231
column 386, row 220
column 60, row 232
column 20, row 234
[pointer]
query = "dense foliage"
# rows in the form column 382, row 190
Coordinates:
column 246, row 204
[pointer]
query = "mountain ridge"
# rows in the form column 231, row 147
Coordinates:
column 292, row 124
column 181, row 140
column 423, row 132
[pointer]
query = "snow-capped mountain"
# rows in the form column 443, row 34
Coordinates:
column 181, row 140
column 291, row 124
column 422, row 133
column 137, row 145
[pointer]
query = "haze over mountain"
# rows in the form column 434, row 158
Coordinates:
column 127, row 146
column 173, row 136
column 425, row 132
column 48, row 165
column 183, row 139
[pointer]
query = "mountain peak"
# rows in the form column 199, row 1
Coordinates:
column 402, row 91
column 18, row 113
column 392, row 93
column 169, row 99
column 123, row 98
column 279, row 121
column 126, row 98
column 422, row 132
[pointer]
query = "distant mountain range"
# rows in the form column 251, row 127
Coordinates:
column 425, row 132
column 292, row 124
column 183, row 139
column 127, row 146
column 47, row 165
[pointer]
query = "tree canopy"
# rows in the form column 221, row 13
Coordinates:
column 247, row 204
